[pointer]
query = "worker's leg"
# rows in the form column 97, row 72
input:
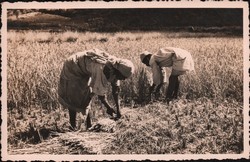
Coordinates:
column 171, row 88
column 72, row 119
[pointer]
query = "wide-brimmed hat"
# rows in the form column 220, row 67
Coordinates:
column 125, row 67
column 144, row 54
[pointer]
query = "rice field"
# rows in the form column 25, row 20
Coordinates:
column 207, row 118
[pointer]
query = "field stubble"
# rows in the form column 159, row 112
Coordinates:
column 213, row 95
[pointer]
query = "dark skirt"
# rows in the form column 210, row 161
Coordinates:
column 75, row 94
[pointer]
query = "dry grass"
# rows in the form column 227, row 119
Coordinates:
column 214, row 92
column 184, row 127
column 68, row 143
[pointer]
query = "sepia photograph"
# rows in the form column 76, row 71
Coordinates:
column 125, row 81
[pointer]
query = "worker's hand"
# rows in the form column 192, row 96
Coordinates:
column 151, row 88
column 110, row 111
column 117, row 116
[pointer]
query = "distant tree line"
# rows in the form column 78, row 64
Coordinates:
column 148, row 18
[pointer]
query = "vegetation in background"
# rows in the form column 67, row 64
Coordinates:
column 226, row 20
column 207, row 118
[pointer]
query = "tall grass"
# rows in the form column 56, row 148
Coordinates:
column 36, row 58
column 35, row 61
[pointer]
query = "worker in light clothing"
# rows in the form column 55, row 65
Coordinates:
column 180, row 60
column 87, row 73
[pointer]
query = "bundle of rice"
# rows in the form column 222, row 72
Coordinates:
column 104, row 125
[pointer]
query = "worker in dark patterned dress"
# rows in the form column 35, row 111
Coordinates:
column 87, row 73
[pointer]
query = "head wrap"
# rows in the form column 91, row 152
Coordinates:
column 144, row 54
column 125, row 67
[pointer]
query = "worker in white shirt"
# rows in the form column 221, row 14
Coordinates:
column 180, row 60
